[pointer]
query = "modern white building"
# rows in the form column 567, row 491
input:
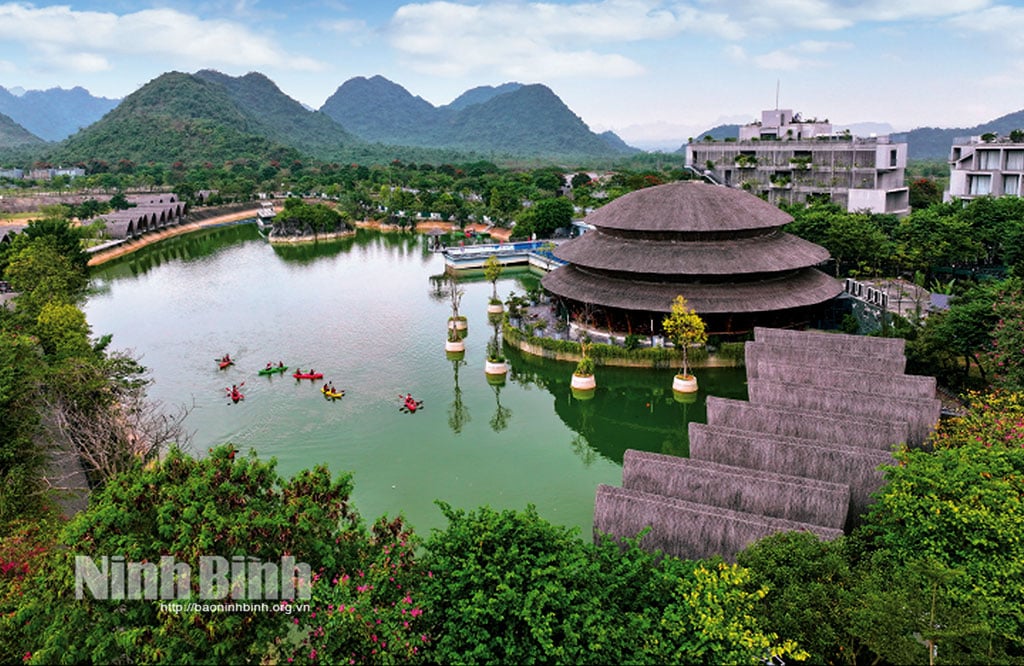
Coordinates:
column 787, row 159
column 985, row 165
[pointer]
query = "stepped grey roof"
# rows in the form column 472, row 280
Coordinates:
column 688, row 206
column 737, row 488
column 687, row 529
column 767, row 253
column 789, row 290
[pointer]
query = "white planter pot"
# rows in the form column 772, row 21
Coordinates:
column 458, row 324
column 495, row 368
column 495, row 308
column 454, row 346
column 583, row 383
column 684, row 384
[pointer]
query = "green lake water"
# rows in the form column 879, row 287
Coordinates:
column 364, row 312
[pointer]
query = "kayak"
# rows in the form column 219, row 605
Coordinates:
column 306, row 375
column 334, row 395
column 235, row 395
column 224, row 364
column 410, row 405
column 273, row 370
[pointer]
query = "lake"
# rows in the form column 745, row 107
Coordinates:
column 365, row 313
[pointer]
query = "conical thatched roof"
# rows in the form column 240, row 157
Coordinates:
column 781, row 292
column 766, row 253
column 688, row 207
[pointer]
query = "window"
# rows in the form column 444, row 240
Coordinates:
column 981, row 185
column 1011, row 185
column 988, row 159
column 1015, row 160
column 892, row 157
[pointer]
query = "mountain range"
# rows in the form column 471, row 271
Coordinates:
column 54, row 114
column 212, row 117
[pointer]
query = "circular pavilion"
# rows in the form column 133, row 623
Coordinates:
column 723, row 249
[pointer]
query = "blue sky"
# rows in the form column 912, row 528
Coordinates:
column 655, row 72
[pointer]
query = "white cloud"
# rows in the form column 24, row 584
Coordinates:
column 1002, row 24
column 82, row 40
column 807, row 54
column 533, row 40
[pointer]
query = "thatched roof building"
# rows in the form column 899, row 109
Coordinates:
column 722, row 249
column 825, row 412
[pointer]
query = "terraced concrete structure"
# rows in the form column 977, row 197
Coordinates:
column 804, row 453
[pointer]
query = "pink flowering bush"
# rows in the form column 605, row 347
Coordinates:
column 370, row 614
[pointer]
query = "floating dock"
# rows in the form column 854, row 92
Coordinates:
column 533, row 253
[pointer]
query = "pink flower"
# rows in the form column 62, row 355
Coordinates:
column 416, row 612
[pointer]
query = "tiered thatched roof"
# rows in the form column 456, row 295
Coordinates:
column 801, row 421
column 750, row 490
column 148, row 214
column 722, row 249
column 697, row 529
column 855, row 466
column 780, row 292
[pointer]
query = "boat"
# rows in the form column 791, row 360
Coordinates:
column 333, row 394
column 308, row 375
column 223, row 364
column 235, row 395
column 410, row 405
column 274, row 369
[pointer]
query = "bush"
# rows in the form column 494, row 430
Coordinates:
column 585, row 367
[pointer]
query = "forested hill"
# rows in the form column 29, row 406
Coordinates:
column 932, row 143
column 13, row 135
column 174, row 118
column 55, row 114
column 527, row 120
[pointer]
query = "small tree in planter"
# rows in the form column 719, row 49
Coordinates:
column 684, row 328
column 492, row 271
column 583, row 377
column 456, row 321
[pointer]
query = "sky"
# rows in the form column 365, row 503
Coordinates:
column 655, row 72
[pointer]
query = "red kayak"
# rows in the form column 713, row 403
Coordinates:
column 235, row 395
column 410, row 405
column 307, row 375
column 224, row 364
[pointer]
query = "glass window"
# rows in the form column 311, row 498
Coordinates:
column 1015, row 160
column 1011, row 185
column 981, row 185
column 988, row 159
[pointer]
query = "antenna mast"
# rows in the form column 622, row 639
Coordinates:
column 777, row 82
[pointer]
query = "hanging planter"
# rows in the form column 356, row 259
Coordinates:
column 583, row 377
column 684, row 384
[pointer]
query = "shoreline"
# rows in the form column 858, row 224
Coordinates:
column 103, row 256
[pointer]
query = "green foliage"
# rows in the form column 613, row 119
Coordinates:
column 509, row 587
column 946, row 529
column 1007, row 356
column 585, row 367
column 21, row 459
column 492, row 271
column 224, row 505
column 684, row 328
column 298, row 217
column 370, row 612
column 544, row 217
column 808, row 599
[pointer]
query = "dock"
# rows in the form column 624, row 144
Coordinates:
column 532, row 253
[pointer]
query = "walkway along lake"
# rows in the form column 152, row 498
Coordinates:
column 362, row 311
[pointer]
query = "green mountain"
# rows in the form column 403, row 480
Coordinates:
column 13, row 135
column 280, row 118
column 932, row 143
column 176, row 117
column 55, row 114
column 512, row 119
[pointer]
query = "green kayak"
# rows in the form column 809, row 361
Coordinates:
column 273, row 370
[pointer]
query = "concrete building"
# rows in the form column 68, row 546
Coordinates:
column 786, row 159
column 985, row 166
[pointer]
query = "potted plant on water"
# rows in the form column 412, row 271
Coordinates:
column 456, row 321
column 583, row 376
column 684, row 328
column 454, row 343
column 492, row 271
column 496, row 364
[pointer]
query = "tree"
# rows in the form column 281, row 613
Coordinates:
column 924, row 192
column 492, row 271
column 222, row 505
column 551, row 214
column 684, row 328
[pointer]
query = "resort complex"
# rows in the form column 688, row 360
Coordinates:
column 723, row 249
column 787, row 159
